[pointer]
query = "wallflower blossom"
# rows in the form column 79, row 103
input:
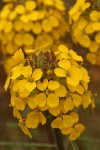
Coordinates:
column 78, row 9
column 49, row 82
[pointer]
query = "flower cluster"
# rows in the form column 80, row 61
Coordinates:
column 29, row 23
column 49, row 83
column 84, row 18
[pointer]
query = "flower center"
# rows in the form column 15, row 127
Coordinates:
column 68, row 73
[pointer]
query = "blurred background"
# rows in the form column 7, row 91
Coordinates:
column 45, row 138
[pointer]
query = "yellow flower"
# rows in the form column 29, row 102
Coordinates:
column 22, row 125
column 18, row 102
column 78, row 9
column 69, row 72
column 49, row 81
column 64, row 53
column 63, row 107
column 30, row 5
column 94, row 46
column 92, row 58
column 64, row 121
column 79, row 34
column 17, row 58
column 77, row 130
column 49, row 94
column 95, row 17
column 20, row 9
column 34, row 118
column 87, row 99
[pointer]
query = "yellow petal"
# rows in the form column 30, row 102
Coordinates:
column 79, row 128
column 18, row 57
column 30, row 5
column 32, row 120
column 20, row 104
column 57, row 123
column 60, row 72
column 42, row 85
column 24, row 93
column 19, row 85
column 13, row 99
column 34, row 15
column 75, row 116
column 31, row 103
column 86, row 77
column 97, row 38
column 46, row 23
column 17, row 114
column 20, row 9
column 7, row 83
column 66, row 131
column 26, row 131
column 25, row 18
column 61, row 91
column 68, row 105
column 28, row 39
column 27, row 71
column 41, row 118
column 63, row 49
column 54, row 21
column 68, row 121
column 89, row 28
column 37, row 29
column 91, row 57
column 16, row 71
column 52, row 100
column 96, row 26
column 77, row 99
column 80, row 89
column 94, row 15
column 65, row 64
column 55, row 111
column 72, row 81
column 53, row 85
column 85, row 41
column 93, row 47
column 40, row 100
column 37, row 74
column 30, row 86
column 86, row 101
column 75, row 56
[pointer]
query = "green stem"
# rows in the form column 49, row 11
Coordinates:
column 74, row 145
column 17, row 144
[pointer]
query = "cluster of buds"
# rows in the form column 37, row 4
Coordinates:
column 29, row 23
column 84, row 18
column 50, row 83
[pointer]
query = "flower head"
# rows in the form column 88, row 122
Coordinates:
column 47, row 82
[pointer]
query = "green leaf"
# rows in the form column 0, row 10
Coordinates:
column 74, row 145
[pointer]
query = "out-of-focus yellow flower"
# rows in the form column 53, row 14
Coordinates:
column 85, row 28
column 49, row 81
column 95, row 17
column 78, row 9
